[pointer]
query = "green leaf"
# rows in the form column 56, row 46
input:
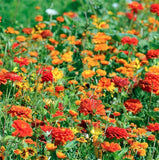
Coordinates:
column 70, row 145
column 121, row 154
column 8, row 138
column 139, row 71
column 133, row 118
column 154, row 115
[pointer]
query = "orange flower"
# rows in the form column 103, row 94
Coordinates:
column 60, row 155
column 38, row 18
column 72, row 82
column 141, row 152
column 50, row 147
column 73, row 113
column 17, row 151
column 60, row 19
column 37, row 7
column 88, row 74
column 116, row 132
column 101, row 72
column 101, row 47
column 33, row 54
column 42, row 25
column 23, row 129
column 20, row 38
column 29, row 140
column 133, row 105
column 92, row 106
column 63, row 35
column 111, row 147
column 21, row 112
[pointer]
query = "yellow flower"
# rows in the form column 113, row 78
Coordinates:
column 57, row 74
column 96, row 131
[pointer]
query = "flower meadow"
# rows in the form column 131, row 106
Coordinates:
column 81, row 84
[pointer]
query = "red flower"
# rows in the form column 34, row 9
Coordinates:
column 47, row 128
column 62, row 135
column 130, row 16
column 23, row 129
column 152, row 54
column 27, row 30
column 154, row 8
column 13, row 76
column 121, row 82
column 92, row 106
column 21, row 112
column 135, row 6
column 129, row 40
column 46, row 33
column 2, row 79
column 15, row 45
column 115, row 132
column 46, row 74
column 59, row 88
column 21, row 61
column 111, row 147
column 133, row 105
column 150, row 83
column 153, row 127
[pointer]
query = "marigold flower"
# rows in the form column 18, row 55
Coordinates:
column 73, row 113
column 73, row 82
column 133, row 105
column 17, row 151
column 92, row 106
column 20, row 38
column 23, row 129
column 150, row 83
column 152, row 54
column 141, row 152
column 70, row 14
column 135, row 6
column 154, row 8
column 62, row 135
column 110, row 147
column 50, row 147
column 128, row 40
column 121, row 82
column 13, row 76
column 116, row 132
column 88, row 74
column 30, row 141
column 38, row 18
column 153, row 127
column 101, row 72
column 21, row 61
column 60, row 19
column 27, row 30
column 46, row 33
column 60, row 155
column 21, row 112
column 151, row 138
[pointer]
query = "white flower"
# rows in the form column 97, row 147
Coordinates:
column 115, row 5
column 50, row 11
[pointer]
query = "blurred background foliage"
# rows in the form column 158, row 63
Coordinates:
column 22, row 12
